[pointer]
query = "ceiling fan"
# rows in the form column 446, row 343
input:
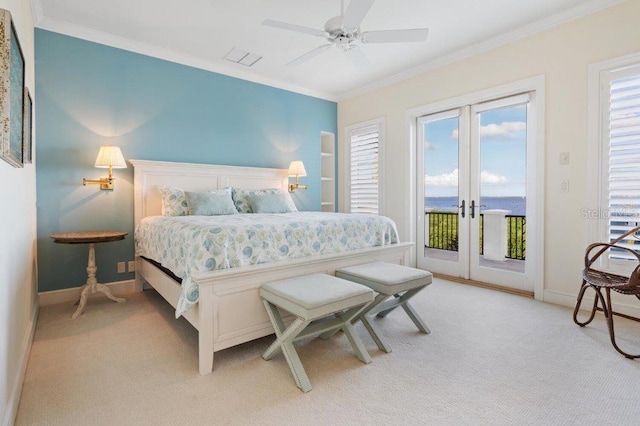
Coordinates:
column 344, row 32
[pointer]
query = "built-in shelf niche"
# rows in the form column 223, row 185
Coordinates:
column 328, row 171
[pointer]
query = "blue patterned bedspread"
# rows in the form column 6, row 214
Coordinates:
column 186, row 244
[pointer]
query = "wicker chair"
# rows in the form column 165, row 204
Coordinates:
column 598, row 280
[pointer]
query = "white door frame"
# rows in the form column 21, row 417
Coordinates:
column 535, row 175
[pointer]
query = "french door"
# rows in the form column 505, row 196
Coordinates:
column 474, row 187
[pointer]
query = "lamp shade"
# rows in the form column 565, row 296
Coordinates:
column 110, row 156
column 296, row 168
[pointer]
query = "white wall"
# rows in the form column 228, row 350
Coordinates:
column 18, row 280
column 562, row 54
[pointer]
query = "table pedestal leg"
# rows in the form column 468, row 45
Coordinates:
column 92, row 284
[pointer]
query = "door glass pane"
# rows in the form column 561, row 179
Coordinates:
column 441, row 198
column 503, row 161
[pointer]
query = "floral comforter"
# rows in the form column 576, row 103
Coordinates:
column 187, row 244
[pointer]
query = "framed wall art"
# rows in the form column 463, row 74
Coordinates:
column 11, row 92
column 27, row 145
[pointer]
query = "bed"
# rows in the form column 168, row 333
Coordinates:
column 228, row 311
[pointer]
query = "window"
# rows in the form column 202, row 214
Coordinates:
column 616, row 146
column 363, row 172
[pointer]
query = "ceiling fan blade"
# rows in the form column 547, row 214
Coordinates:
column 304, row 58
column 395, row 36
column 293, row 27
column 355, row 13
column 357, row 57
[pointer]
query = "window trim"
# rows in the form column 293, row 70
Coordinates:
column 345, row 163
column 597, row 153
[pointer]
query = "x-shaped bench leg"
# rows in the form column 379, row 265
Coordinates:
column 349, row 331
column 402, row 300
column 382, row 307
column 284, row 342
column 372, row 328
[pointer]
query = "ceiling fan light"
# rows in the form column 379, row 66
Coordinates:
column 344, row 31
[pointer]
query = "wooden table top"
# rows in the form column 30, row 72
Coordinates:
column 88, row 237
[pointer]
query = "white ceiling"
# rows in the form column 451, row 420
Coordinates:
column 200, row 32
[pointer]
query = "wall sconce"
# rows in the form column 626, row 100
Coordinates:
column 296, row 168
column 108, row 157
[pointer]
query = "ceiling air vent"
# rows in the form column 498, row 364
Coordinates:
column 241, row 57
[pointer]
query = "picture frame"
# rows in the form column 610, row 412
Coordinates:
column 12, row 69
column 27, row 144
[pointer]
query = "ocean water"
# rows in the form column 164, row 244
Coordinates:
column 517, row 205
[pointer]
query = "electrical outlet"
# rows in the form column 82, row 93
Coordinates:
column 564, row 158
column 132, row 266
column 121, row 269
column 564, row 186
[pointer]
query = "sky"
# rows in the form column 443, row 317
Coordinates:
column 502, row 154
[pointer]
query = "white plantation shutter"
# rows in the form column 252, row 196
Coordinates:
column 364, row 169
column 623, row 195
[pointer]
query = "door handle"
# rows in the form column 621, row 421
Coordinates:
column 461, row 207
column 472, row 208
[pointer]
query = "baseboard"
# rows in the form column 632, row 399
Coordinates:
column 73, row 294
column 569, row 300
column 14, row 395
column 474, row 283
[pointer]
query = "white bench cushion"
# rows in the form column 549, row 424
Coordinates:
column 315, row 296
column 386, row 278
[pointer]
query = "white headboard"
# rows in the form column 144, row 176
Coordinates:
column 147, row 175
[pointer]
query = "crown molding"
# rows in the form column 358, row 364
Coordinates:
column 106, row 39
column 78, row 31
column 584, row 9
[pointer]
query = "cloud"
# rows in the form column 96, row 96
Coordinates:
column 451, row 179
column 492, row 178
column 505, row 130
column 446, row 179
column 428, row 146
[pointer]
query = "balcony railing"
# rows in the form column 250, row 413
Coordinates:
column 442, row 231
column 516, row 237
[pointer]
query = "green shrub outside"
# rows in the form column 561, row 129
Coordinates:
column 443, row 233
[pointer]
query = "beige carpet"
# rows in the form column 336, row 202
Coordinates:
column 492, row 358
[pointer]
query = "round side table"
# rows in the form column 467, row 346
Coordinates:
column 91, row 238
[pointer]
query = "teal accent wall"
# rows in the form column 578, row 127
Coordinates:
column 90, row 95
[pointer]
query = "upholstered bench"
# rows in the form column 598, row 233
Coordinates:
column 388, row 280
column 311, row 298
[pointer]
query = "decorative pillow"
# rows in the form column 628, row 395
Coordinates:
column 276, row 202
column 174, row 202
column 213, row 203
column 241, row 198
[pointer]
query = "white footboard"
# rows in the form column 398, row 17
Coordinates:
column 230, row 312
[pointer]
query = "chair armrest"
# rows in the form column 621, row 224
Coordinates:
column 626, row 234
column 589, row 261
column 605, row 246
